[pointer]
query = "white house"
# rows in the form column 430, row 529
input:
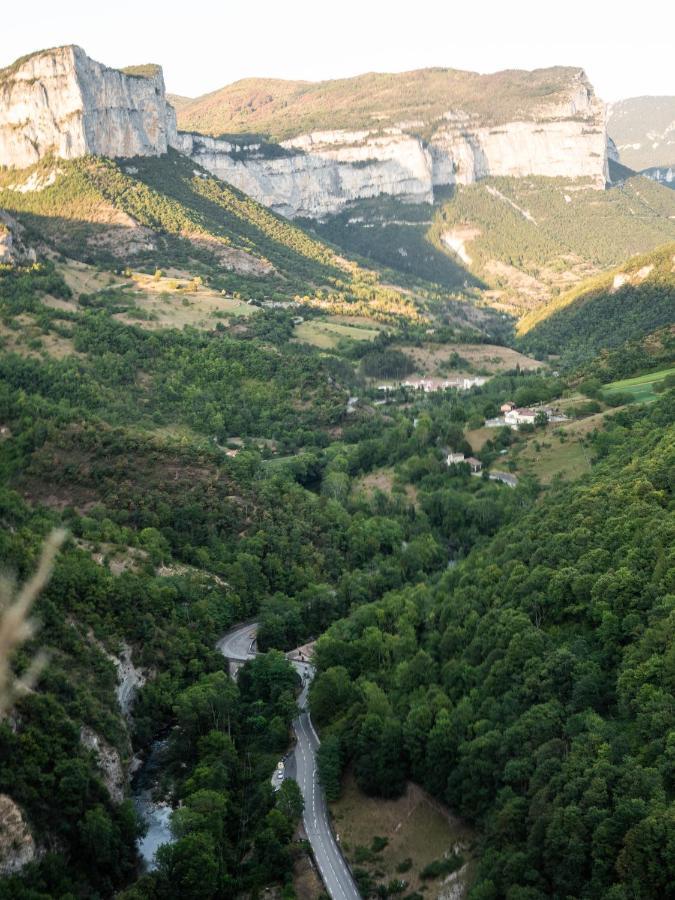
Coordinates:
column 454, row 458
column 516, row 417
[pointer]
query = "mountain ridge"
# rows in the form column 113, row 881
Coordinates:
column 415, row 91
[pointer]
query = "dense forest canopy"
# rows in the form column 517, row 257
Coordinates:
column 202, row 410
column 531, row 687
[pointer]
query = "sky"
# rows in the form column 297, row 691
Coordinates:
column 624, row 54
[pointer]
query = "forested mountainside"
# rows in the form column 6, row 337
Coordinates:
column 520, row 241
column 627, row 304
column 172, row 457
column 531, row 686
column 220, row 472
column 166, row 213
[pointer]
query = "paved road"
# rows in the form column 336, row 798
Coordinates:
column 238, row 645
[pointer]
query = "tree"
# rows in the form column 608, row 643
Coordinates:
column 329, row 758
column 188, row 868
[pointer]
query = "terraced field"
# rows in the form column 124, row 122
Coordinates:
column 640, row 387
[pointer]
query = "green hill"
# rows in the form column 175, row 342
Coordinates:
column 388, row 232
column 149, row 213
column 623, row 305
column 520, row 241
column 531, row 238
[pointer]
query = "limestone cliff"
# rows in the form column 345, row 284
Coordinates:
column 63, row 103
column 547, row 122
column 319, row 173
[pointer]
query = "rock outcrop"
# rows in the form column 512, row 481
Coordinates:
column 12, row 247
column 17, row 847
column 60, row 102
column 109, row 763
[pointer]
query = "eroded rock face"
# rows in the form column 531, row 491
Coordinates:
column 317, row 177
column 63, row 103
column 109, row 763
column 12, row 247
column 320, row 173
column 17, row 847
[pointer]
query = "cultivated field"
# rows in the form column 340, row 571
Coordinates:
column 327, row 333
column 641, row 387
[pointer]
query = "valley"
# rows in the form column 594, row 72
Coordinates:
column 360, row 391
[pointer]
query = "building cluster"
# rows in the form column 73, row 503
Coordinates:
column 514, row 416
column 429, row 385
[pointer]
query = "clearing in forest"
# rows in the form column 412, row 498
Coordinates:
column 327, row 334
column 415, row 830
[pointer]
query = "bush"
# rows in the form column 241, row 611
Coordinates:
column 440, row 867
column 378, row 844
column 618, row 398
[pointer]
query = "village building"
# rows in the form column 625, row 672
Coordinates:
column 453, row 458
column 458, row 383
column 521, row 416
column 475, row 464
column 506, row 407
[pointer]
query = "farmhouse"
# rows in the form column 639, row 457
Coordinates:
column 520, row 417
column 506, row 407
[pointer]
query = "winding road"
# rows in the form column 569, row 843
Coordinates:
column 237, row 646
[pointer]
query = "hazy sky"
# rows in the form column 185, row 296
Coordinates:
column 624, row 53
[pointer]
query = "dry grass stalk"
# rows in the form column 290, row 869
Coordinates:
column 16, row 627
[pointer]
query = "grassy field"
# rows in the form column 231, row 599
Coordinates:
column 478, row 436
column 417, row 829
column 488, row 358
column 82, row 278
column 326, row 334
column 176, row 301
column 549, row 457
column 27, row 338
column 641, row 387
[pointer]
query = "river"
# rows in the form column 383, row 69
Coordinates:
column 155, row 814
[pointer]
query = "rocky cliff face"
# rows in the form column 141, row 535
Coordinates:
column 319, row 173
column 61, row 102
